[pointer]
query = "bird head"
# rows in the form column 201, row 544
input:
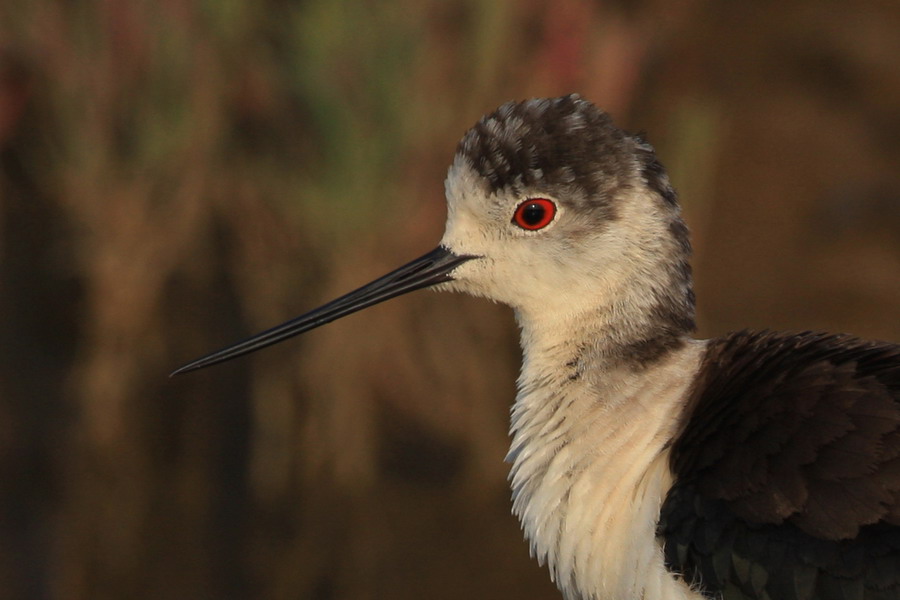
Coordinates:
column 552, row 210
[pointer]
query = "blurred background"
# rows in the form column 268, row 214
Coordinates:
column 177, row 174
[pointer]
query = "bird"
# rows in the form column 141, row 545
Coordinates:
column 646, row 463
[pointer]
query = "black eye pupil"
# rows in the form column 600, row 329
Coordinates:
column 533, row 214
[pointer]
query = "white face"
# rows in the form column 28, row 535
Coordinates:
column 574, row 263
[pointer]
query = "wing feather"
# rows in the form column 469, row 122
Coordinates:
column 788, row 470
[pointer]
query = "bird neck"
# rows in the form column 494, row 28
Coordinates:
column 565, row 344
column 590, row 514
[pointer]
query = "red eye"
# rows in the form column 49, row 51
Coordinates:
column 534, row 214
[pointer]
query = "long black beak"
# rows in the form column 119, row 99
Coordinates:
column 433, row 268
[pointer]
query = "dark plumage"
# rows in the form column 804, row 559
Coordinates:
column 788, row 470
column 562, row 145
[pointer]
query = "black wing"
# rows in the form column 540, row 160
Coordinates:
column 788, row 470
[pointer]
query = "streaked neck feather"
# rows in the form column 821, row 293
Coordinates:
column 590, row 465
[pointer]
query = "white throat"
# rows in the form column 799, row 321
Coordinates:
column 590, row 466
